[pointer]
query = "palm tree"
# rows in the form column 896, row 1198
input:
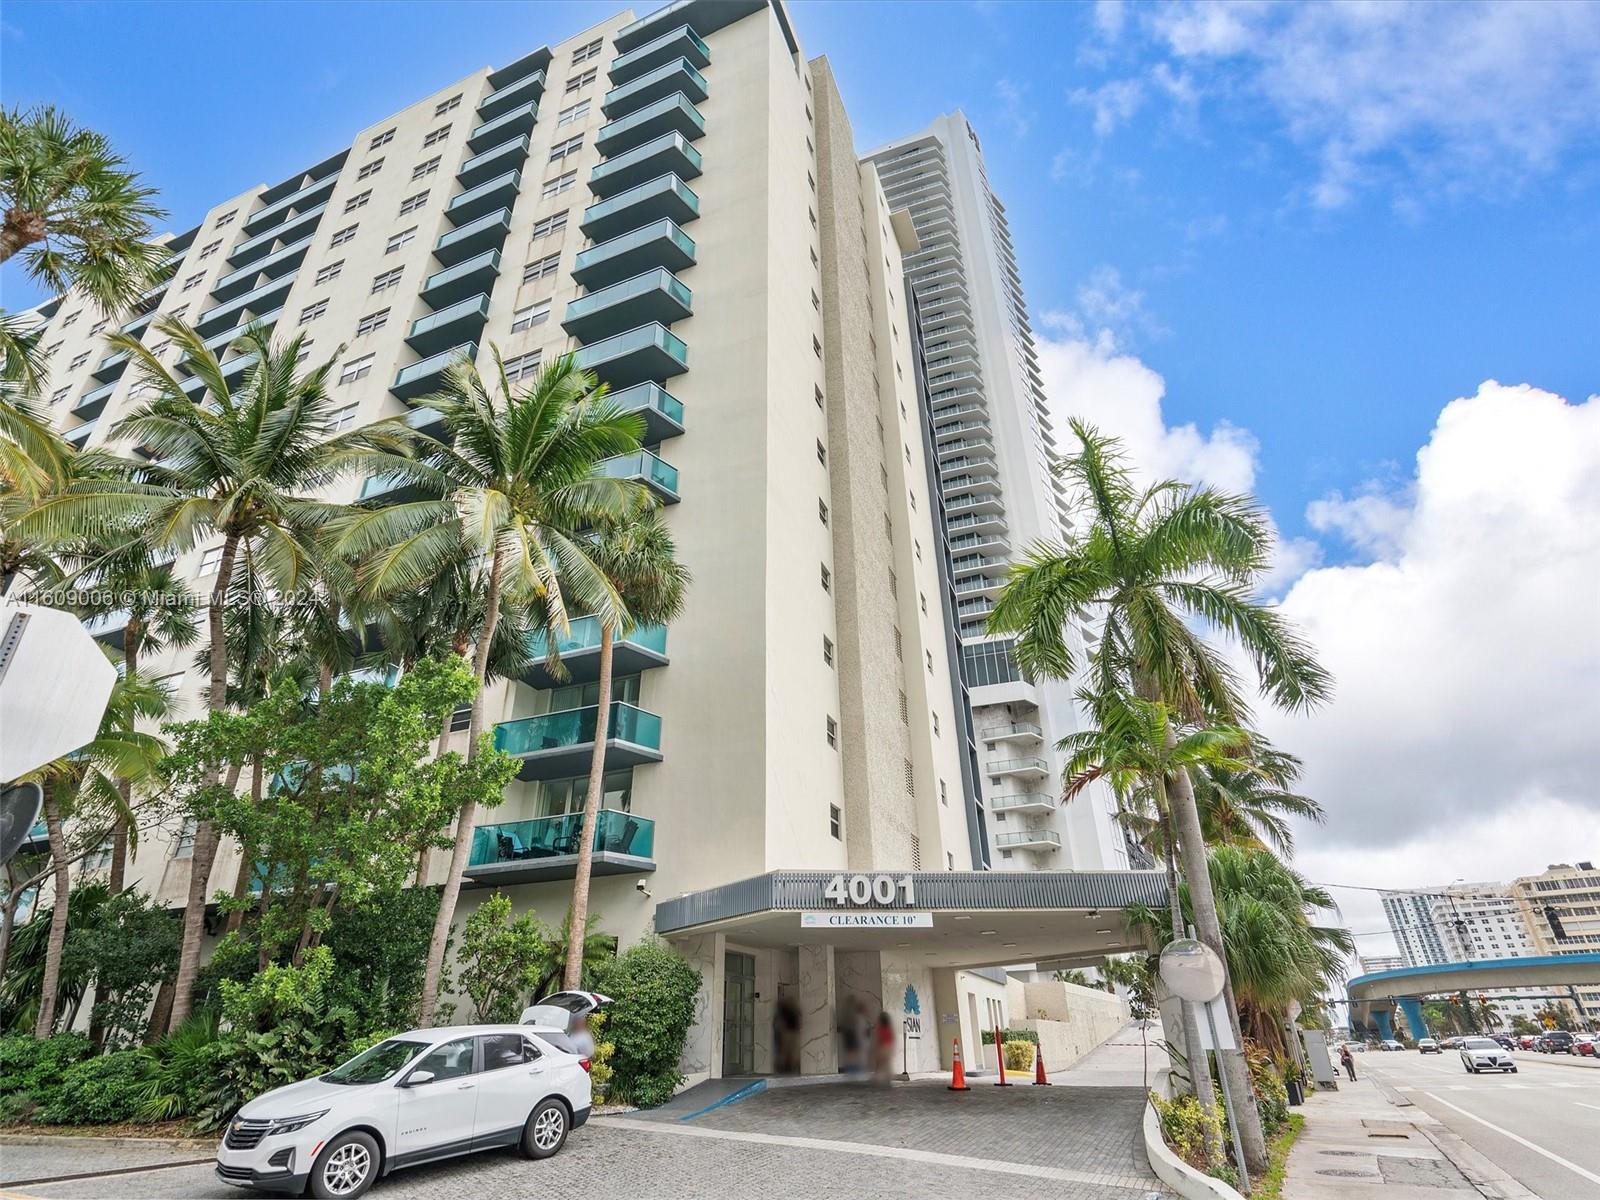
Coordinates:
column 1150, row 565
column 640, row 560
column 1253, row 807
column 72, row 209
column 242, row 465
column 518, row 482
column 84, row 784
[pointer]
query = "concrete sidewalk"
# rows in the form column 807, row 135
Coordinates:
column 1366, row 1141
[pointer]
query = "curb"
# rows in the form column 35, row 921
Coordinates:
column 1173, row 1171
column 1558, row 1060
column 125, row 1143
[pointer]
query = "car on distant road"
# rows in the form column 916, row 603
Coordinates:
column 1486, row 1054
column 1556, row 1041
column 1505, row 1039
column 1528, row 1041
column 1390, row 1045
column 1584, row 1044
column 1428, row 1046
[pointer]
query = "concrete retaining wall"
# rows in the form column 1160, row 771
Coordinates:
column 1069, row 1020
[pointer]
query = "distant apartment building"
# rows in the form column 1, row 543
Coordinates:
column 1371, row 964
column 1570, row 894
column 994, row 450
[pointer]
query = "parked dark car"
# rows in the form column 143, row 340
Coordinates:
column 1506, row 1040
column 1557, row 1041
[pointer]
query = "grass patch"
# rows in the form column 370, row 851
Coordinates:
column 1270, row 1185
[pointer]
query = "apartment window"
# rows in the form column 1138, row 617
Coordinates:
column 816, row 303
column 205, row 252
column 561, row 149
column 527, row 318
column 312, row 311
column 944, row 798
column 342, row 236
column 835, row 822
column 436, row 136
column 815, row 265
column 827, row 578
column 51, row 350
column 539, row 268
column 935, row 725
column 305, row 351
column 554, row 223
column 359, row 201
column 949, row 860
column 888, row 529
column 816, row 347
column 822, row 453
column 522, row 366
column 424, row 169
column 911, row 779
column 386, row 280
column 922, row 600
column 461, row 719
column 883, row 475
column 194, row 280
column 372, row 322
column 929, row 653
column 330, row 272
column 810, row 182
column 581, row 80
column 827, row 651
column 412, row 203
column 183, row 845
column 812, row 214
column 210, row 561
column 342, row 418
column 822, row 512
column 832, row 730
column 79, row 360
column 226, row 218
column 381, row 139
column 894, row 583
column 403, row 238
column 587, row 51
column 368, row 170
column 449, row 105
column 818, row 392
column 561, row 183
column 97, row 327
column 356, row 368
column 568, row 116
column 60, row 394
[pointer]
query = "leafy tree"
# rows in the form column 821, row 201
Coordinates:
column 654, row 1004
column 22, row 986
column 379, row 952
column 128, row 952
column 500, row 959
column 1155, row 567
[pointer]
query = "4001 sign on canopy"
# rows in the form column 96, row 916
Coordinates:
column 860, row 891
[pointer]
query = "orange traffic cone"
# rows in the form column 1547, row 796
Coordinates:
column 1038, row 1068
column 958, row 1076
column 1000, row 1057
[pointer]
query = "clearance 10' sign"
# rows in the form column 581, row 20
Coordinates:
column 859, row 890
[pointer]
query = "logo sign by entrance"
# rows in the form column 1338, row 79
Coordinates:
column 913, row 1007
column 866, row 920
column 861, row 890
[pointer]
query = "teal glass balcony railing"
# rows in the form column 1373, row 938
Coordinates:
column 486, row 233
column 274, row 264
column 466, row 278
column 136, row 326
column 672, row 154
column 111, row 366
column 579, row 653
column 681, row 42
column 269, row 292
column 651, row 353
column 492, row 161
column 272, row 214
column 219, row 342
column 508, row 124
column 451, row 326
column 664, row 196
column 498, row 193
column 79, row 436
column 662, row 411
column 671, row 114
column 293, row 229
column 643, row 467
column 547, row 847
column 91, row 403
column 423, row 377
column 382, row 487
column 678, row 75
column 656, row 295
column 559, row 744
column 529, row 87
column 658, row 244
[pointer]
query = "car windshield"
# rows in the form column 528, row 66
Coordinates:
column 1481, row 1044
column 377, row 1064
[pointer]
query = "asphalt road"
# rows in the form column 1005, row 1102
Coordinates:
column 1541, row 1125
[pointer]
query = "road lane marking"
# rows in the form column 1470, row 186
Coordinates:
column 1520, row 1140
column 1581, row 1104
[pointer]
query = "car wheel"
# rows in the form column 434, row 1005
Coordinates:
column 346, row 1168
column 1513, row 1070
column 546, row 1130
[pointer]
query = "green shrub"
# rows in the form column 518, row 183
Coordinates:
column 182, row 1065
column 1011, row 1035
column 100, row 1091
column 600, row 1072
column 1018, row 1053
column 36, row 1068
column 649, row 1021
column 1272, row 1096
column 1185, row 1127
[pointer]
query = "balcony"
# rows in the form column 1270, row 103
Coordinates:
column 662, row 411
column 79, row 437
column 1019, row 731
column 496, row 103
column 497, row 158
column 643, row 467
column 546, row 848
column 108, row 627
column 678, row 75
column 665, row 197
column 275, row 264
column 221, row 341
column 473, row 238
column 649, row 354
column 681, row 42
column 270, row 292
column 654, row 296
column 272, row 214
column 477, row 274
column 1022, row 802
column 1017, row 768
column 423, row 377
column 1029, row 839
column 37, row 842
column 673, row 114
column 90, row 404
column 671, row 154
column 461, row 322
column 429, row 422
column 499, row 193
column 506, row 125
column 658, row 244
column 138, row 325
column 111, row 366
column 559, row 744
column 378, row 490
column 975, row 503
column 579, row 651
column 296, row 227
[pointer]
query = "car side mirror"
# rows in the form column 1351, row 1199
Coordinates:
column 418, row 1078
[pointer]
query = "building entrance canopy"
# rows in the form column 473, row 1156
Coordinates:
column 938, row 918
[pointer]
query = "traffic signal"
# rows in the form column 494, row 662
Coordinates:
column 1556, row 927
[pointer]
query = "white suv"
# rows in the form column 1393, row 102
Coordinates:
column 417, row 1097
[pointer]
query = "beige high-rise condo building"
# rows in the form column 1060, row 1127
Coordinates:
column 679, row 200
column 1561, row 907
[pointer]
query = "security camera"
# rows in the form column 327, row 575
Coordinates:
column 641, row 889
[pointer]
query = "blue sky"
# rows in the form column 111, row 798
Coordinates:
column 1273, row 245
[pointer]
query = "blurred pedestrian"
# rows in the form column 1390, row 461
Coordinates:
column 882, row 1048
column 1348, row 1062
